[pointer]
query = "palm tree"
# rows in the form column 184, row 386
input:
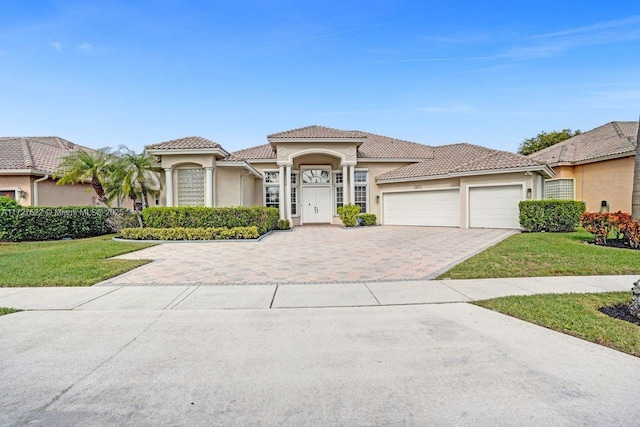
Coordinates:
column 81, row 165
column 137, row 172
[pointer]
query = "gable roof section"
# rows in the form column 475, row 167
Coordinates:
column 317, row 132
column 373, row 146
column 36, row 153
column 187, row 143
column 462, row 159
column 615, row 139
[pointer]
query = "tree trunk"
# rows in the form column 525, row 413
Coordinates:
column 99, row 190
column 145, row 201
column 635, row 197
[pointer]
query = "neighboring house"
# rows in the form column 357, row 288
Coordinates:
column 595, row 167
column 27, row 165
column 308, row 173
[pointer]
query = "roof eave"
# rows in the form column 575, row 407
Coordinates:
column 243, row 164
column 169, row 151
column 545, row 170
column 24, row 172
column 277, row 140
column 596, row 159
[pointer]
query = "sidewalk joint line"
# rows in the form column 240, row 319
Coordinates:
column 93, row 299
column 274, row 296
column 372, row 294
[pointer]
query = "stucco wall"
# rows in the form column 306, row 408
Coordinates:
column 611, row 180
column 231, row 185
column 50, row 194
column 12, row 182
column 175, row 160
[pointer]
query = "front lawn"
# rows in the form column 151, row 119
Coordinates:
column 6, row 310
column 574, row 314
column 81, row 262
column 547, row 254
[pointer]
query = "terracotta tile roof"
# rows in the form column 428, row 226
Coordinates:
column 615, row 138
column 41, row 153
column 384, row 147
column 264, row 151
column 190, row 142
column 460, row 158
column 314, row 132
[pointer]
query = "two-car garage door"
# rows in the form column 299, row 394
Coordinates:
column 489, row 207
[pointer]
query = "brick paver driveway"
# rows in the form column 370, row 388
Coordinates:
column 311, row 254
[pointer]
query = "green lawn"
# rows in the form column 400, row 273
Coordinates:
column 574, row 314
column 79, row 262
column 6, row 310
column 547, row 254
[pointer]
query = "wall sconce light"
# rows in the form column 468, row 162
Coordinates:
column 528, row 193
column 20, row 194
column 378, row 198
column 604, row 207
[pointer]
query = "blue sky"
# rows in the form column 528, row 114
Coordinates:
column 105, row 73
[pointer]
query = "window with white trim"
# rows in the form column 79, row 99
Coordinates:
column 191, row 187
column 361, row 189
column 338, row 190
column 559, row 189
column 294, row 193
column 271, row 189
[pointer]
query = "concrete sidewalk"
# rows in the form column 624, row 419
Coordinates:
column 270, row 296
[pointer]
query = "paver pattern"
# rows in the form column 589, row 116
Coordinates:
column 311, row 254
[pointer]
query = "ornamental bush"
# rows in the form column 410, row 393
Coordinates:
column 38, row 223
column 367, row 219
column 265, row 219
column 349, row 214
column 619, row 225
column 8, row 203
column 550, row 215
column 183, row 233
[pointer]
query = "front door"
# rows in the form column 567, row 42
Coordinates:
column 316, row 205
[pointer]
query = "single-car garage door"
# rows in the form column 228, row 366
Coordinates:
column 494, row 207
column 431, row 208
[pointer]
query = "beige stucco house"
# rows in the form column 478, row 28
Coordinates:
column 308, row 173
column 595, row 167
column 27, row 165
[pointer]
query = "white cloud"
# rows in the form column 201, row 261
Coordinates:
column 56, row 45
column 86, row 47
column 591, row 28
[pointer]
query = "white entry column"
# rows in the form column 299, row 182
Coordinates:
column 168, row 174
column 281, row 203
column 208, row 187
column 345, row 185
column 287, row 193
column 352, row 184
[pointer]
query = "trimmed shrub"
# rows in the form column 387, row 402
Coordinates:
column 265, row 219
column 37, row 223
column 349, row 214
column 550, row 215
column 8, row 203
column 367, row 219
column 619, row 225
column 182, row 233
column 284, row 224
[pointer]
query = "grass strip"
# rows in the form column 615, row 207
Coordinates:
column 547, row 254
column 81, row 262
column 576, row 315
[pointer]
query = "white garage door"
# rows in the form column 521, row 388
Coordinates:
column 432, row 208
column 494, row 207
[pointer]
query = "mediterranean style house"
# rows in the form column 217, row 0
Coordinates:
column 595, row 167
column 308, row 173
column 27, row 165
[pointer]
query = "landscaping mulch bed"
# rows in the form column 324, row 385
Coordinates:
column 616, row 243
column 620, row 311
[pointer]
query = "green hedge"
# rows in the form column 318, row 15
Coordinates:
column 550, row 215
column 265, row 219
column 367, row 219
column 37, row 223
column 182, row 233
